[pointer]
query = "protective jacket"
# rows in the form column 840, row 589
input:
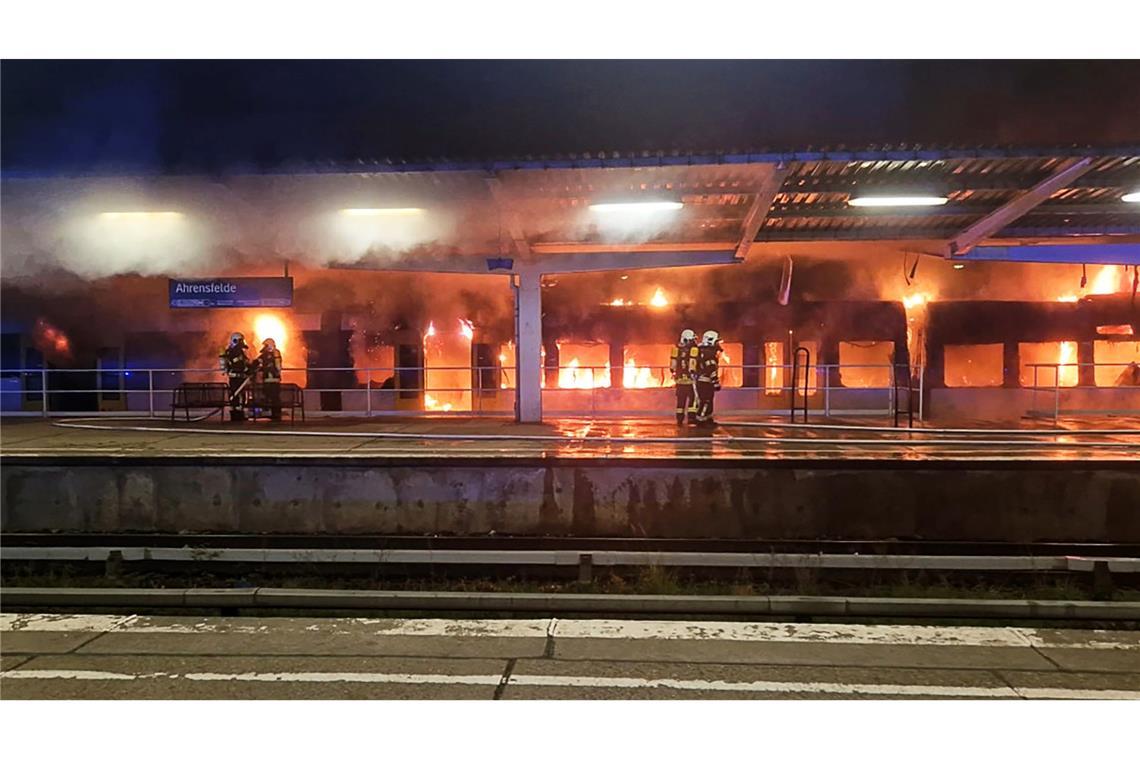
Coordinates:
column 234, row 361
column 683, row 363
column 708, row 365
column 269, row 362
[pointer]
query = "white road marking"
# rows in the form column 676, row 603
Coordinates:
column 632, row 630
column 588, row 682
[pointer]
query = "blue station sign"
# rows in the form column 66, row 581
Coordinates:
column 231, row 292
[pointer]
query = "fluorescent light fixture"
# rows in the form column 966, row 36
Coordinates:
column 636, row 207
column 959, row 265
column 125, row 215
column 898, row 200
column 1133, row 197
column 381, row 211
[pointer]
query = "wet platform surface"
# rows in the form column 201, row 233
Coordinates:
column 117, row 657
column 1109, row 439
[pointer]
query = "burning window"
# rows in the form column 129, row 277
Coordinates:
column 731, row 373
column 866, row 364
column 976, row 366
column 1058, row 362
column 1121, row 353
column 1114, row 330
column 646, row 366
column 773, row 368
column 447, row 366
column 375, row 361
column 583, row 365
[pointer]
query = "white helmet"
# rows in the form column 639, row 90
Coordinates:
column 688, row 336
column 710, row 338
column 237, row 339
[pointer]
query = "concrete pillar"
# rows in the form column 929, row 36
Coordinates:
column 528, row 340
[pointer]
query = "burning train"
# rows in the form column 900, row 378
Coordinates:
column 373, row 343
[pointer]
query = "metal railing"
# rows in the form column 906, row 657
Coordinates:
column 1057, row 389
column 149, row 391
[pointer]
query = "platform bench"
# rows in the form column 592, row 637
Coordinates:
column 199, row 396
column 292, row 397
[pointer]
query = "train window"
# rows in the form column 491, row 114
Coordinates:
column 583, row 365
column 1063, row 354
column 773, row 368
column 866, row 364
column 375, row 363
column 731, row 375
column 978, row 366
column 1113, row 358
column 646, row 366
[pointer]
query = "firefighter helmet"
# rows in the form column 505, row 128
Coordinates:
column 237, row 339
column 710, row 338
column 688, row 336
column 269, row 343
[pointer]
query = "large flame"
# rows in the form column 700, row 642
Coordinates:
column 658, row 300
column 270, row 326
column 1066, row 357
column 466, row 329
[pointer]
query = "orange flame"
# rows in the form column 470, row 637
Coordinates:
column 467, row 329
column 658, row 300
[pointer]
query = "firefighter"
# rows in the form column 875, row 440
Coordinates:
column 269, row 362
column 708, row 376
column 683, row 366
column 235, row 363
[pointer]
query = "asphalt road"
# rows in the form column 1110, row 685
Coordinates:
column 116, row 657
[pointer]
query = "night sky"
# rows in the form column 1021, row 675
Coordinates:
column 65, row 116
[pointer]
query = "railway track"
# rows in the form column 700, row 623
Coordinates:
column 575, row 544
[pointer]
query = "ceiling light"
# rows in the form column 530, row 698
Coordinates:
column 1133, row 197
column 636, row 207
column 898, row 200
column 381, row 211
column 959, row 265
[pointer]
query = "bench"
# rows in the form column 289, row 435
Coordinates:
column 292, row 397
column 199, row 396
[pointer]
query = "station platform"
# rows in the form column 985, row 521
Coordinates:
column 1105, row 439
column 629, row 477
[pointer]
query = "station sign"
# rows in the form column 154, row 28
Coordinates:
column 231, row 293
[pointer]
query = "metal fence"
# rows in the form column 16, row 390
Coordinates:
column 1073, row 398
column 375, row 391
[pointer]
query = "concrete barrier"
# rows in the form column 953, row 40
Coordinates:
column 1067, row 501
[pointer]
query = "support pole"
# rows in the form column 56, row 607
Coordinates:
column 528, row 357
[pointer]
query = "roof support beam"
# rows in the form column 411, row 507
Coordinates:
column 559, row 263
column 510, row 216
column 761, row 204
column 1106, row 253
column 1069, row 170
column 553, row 263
